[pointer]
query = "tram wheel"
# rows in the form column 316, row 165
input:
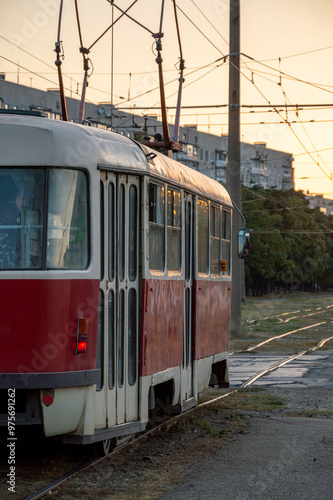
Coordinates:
column 103, row 448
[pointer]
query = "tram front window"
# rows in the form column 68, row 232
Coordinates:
column 29, row 240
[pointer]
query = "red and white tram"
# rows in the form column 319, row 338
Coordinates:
column 115, row 279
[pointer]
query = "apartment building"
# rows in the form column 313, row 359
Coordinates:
column 201, row 151
column 325, row 205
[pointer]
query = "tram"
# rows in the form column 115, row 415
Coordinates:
column 115, row 280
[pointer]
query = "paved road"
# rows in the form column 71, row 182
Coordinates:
column 310, row 370
column 279, row 458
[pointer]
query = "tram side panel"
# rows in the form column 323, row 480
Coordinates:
column 162, row 325
column 211, row 317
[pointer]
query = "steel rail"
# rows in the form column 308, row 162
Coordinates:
column 44, row 491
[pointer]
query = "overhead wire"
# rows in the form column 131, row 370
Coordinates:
column 260, row 62
column 107, row 29
column 287, row 77
column 299, row 54
column 124, row 12
column 308, row 136
column 212, row 25
column 39, row 74
column 300, row 214
column 286, row 121
column 206, row 37
column 290, row 76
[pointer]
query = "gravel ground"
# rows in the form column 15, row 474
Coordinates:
column 237, row 454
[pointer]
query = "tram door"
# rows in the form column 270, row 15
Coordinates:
column 187, row 368
column 120, row 292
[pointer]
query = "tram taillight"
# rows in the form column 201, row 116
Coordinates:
column 82, row 335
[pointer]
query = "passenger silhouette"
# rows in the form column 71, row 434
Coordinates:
column 9, row 218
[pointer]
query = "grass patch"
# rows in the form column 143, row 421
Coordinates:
column 251, row 399
column 269, row 317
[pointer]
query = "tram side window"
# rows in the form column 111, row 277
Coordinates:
column 226, row 236
column 23, row 225
column 215, row 221
column 203, row 226
column 173, row 231
column 67, row 235
column 156, row 227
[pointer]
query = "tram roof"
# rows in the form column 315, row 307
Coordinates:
column 72, row 145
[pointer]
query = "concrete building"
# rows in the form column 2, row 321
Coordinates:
column 325, row 205
column 266, row 167
column 201, row 151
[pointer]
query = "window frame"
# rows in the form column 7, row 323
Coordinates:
column 220, row 209
column 213, row 238
column 152, row 271
column 227, row 273
column 44, row 267
column 165, row 272
column 175, row 229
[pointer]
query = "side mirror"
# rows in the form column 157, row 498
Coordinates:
column 244, row 246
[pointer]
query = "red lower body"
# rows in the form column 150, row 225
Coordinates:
column 38, row 325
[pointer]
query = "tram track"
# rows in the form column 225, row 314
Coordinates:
column 253, row 348
column 320, row 310
column 171, row 421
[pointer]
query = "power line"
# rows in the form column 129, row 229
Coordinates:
column 287, row 122
column 298, row 54
column 300, row 214
column 206, row 37
column 290, row 76
column 319, row 150
column 203, row 106
column 40, row 74
column 217, row 31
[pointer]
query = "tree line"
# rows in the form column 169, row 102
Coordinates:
column 291, row 244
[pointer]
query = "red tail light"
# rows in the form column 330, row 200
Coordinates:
column 47, row 399
column 82, row 335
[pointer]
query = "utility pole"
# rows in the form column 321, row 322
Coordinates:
column 233, row 168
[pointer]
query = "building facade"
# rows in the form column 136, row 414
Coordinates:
column 325, row 205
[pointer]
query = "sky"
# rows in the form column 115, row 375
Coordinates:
column 286, row 45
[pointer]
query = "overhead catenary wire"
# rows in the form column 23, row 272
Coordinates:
column 261, row 122
column 212, row 25
column 290, row 76
column 107, row 29
column 300, row 214
column 329, row 174
column 290, row 126
column 299, row 54
column 41, row 74
column 205, row 36
column 124, row 12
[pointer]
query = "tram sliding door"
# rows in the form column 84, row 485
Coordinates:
column 187, row 368
column 120, row 297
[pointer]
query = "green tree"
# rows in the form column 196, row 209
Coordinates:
column 292, row 245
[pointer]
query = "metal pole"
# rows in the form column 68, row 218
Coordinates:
column 233, row 168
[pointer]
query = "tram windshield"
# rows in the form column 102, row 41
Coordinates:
column 43, row 219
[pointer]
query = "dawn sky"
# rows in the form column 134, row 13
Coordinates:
column 299, row 32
